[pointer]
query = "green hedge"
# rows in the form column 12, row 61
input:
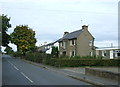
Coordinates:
column 83, row 62
column 35, row 57
column 82, row 57
column 70, row 62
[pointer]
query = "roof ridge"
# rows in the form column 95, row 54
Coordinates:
column 76, row 31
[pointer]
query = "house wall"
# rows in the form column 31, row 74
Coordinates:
column 110, row 53
column 83, row 48
column 68, row 47
column 73, row 47
column 63, row 47
column 82, row 45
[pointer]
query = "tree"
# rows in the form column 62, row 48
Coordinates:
column 5, row 25
column 9, row 50
column 24, row 38
column 55, row 51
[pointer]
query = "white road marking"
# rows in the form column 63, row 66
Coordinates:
column 26, row 77
column 13, row 65
column 16, row 68
column 10, row 63
column 21, row 72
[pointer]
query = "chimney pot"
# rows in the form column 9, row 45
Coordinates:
column 84, row 27
column 65, row 33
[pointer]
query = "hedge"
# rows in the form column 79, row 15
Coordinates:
column 83, row 62
column 70, row 62
column 35, row 57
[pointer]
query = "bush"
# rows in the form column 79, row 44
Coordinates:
column 35, row 57
column 17, row 54
column 83, row 62
column 82, row 57
column 71, row 62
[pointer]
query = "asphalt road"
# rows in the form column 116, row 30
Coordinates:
column 18, row 72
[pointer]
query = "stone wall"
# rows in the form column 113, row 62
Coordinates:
column 102, row 73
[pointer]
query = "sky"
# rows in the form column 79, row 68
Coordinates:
column 51, row 18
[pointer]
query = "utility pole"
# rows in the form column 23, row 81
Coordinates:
column 81, row 22
column 111, row 44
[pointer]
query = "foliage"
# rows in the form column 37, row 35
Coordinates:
column 82, row 57
column 17, row 54
column 9, row 50
column 87, row 57
column 54, row 52
column 70, row 62
column 35, row 57
column 38, row 57
column 5, row 25
column 83, row 62
column 24, row 38
column 51, row 61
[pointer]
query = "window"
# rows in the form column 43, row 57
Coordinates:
column 61, row 44
column 118, row 54
column 91, row 53
column 104, row 53
column 64, row 44
column 72, row 42
column 90, row 43
column 72, row 53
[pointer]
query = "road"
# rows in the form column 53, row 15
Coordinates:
column 18, row 72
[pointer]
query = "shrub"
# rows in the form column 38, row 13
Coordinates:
column 83, row 62
column 82, row 57
column 17, row 54
column 35, row 57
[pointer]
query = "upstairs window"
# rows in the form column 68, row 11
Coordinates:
column 64, row 44
column 90, row 43
column 61, row 44
column 72, row 42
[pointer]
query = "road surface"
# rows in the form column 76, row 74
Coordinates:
column 18, row 72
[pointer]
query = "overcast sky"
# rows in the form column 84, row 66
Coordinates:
column 51, row 18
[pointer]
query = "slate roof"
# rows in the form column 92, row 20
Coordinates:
column 71, row 35
column 51, row 43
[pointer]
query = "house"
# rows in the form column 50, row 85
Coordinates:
column 108, row 52
column 49, row 47
column 77, row 43
column 41, row 49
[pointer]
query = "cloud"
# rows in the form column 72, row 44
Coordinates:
column 50, row 18
column 106, row 43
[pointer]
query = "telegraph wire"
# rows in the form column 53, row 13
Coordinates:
column 66, row 11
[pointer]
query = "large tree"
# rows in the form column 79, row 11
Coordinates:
column 4, row 24
column 24, row 38
column 9, row 50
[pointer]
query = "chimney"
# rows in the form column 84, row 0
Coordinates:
column 85, row 27
column 65, row 33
